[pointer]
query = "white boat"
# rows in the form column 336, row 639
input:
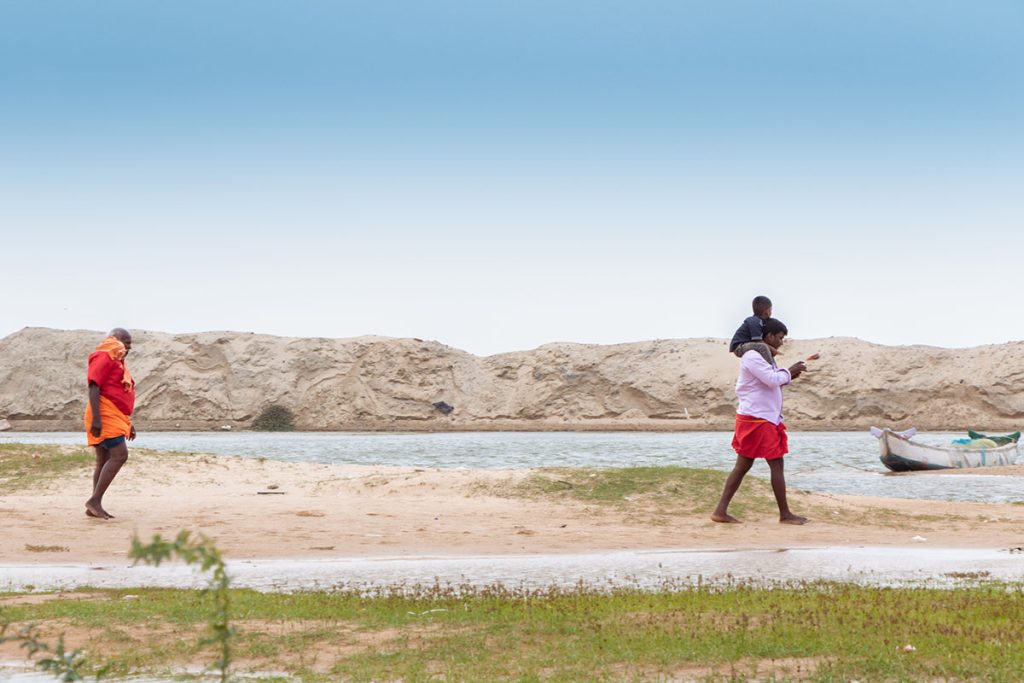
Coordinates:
column 900, row 454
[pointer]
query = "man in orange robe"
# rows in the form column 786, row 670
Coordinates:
column 108, row 421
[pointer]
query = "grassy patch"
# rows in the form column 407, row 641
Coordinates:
column 897, row 519
column 815, row 632
column 33, row 467
column 29, row 466
column 654, row 494
column 649, row 492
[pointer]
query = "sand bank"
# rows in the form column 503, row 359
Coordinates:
column 215, row 379
column 270, row 509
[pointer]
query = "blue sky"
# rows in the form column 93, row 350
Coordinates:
column 497, row 175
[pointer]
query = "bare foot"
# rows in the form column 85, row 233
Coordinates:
column 792, row 519
column 725, row 519
column 94, row 510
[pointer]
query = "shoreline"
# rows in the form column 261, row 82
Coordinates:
column 417, row 427
column 607, row 427
column 273, row 509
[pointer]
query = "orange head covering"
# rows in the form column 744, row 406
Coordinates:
column 116, row 349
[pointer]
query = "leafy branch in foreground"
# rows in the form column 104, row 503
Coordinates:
column 199, row 551
column 65, row 666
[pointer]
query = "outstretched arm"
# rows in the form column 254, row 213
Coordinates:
column 766, row 373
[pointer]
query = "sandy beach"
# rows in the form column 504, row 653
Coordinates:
column 267, row 509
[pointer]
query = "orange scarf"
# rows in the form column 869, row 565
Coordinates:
column 116, row 350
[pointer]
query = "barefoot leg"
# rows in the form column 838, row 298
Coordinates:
column 114, row 459
column 92, row 509
column 724, row 519
column 97, row 511
column 778, row 470
column 732, row 485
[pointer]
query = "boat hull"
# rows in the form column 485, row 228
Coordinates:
column 902, row 455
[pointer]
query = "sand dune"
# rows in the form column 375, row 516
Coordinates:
column 206, row 380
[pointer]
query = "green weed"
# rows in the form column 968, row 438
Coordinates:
column 813, row 631
column 645, row 491
column 30, row 466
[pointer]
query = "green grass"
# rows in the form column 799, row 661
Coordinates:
column 27, row 466
column 656, row 494
column 829, row 632
column 649, row 492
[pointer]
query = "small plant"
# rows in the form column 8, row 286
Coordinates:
column 204, row 553
column 67, row 666
column 63, row 665
column 274, row 418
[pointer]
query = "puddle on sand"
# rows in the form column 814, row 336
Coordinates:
column 21, row 671
column 649, row 570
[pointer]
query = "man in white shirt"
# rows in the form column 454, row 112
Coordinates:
column 760, row 431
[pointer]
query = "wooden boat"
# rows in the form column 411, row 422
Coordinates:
column 900, row 454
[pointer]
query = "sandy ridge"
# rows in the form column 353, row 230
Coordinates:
column 212, row 379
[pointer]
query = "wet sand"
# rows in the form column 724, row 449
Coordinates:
column 267, row 509
column 642, row 569
column 1003, row 471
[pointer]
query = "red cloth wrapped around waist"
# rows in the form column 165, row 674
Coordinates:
column 757, row 438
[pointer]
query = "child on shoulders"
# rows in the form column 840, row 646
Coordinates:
column 750, row 335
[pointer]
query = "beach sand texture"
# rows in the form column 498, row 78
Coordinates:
column 207, row 380
column 268, row 509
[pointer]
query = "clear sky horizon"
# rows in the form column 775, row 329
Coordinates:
column 505, row 174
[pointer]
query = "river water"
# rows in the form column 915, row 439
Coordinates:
column 831, row 462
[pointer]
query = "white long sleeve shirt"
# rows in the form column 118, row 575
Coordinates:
column 759, row 388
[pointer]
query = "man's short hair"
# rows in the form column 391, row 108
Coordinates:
column 761, row 304
column 774, row 326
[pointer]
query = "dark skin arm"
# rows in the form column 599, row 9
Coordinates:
column 797, row 369
column 97, row 423
column 794, row 370
column 94, row 403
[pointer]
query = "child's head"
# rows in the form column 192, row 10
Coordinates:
column 762, row 307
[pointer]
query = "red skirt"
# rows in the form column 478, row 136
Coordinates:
column 757, row 438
